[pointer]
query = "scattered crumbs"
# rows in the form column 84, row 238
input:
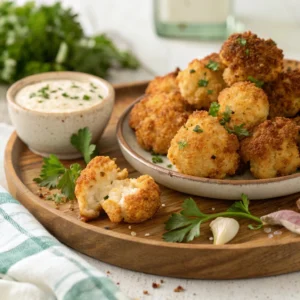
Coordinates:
column 145, row 292
column 108, row 272
column 147, row 234
column 129, row 227
column 270, row 235
column 162, row 281
column 155, row 285
column 133, row 233
column 118, row 283
column 106, row 227
column 277, row 232
column 212, row 208
column 211, row 238
column 179, row 289
column 267, row 230
column 163, row 205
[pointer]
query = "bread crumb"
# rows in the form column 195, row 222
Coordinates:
column 162, row 281
column 155, row 285
column 133, row 233
column 179, row 289
column 146, row 292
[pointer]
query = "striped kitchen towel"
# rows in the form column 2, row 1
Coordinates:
column 34, row 265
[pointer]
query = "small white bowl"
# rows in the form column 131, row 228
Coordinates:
column 49, row 132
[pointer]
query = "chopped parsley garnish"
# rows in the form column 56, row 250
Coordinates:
column 32, row 95
column 40, row 101
column 197, row 129
column 242, row 41
column 202, row 82
column 214, row 109
column 53, row 91
column 247, row 52
column 74, row 97
column 101, row 97
column 209, row 92
column 170, row 166
column 43, row 92
column 93, row 86
column 258, row 83
column 226, row 116
column 185, row 225
column 106, row 197
column 92, row 91
column 238, row 130
column 86, row 97
column 65, row 95
column 74, row 86
column 192, row 71
column 156, row 159
column 182, row 144
column 212, row 65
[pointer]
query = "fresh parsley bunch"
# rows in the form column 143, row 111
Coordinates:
column 35, row 39
column 185, row 226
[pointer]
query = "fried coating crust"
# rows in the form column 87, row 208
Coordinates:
column 211, row 153
column 157, row 118
column 136, row 207
column 248, row 103
column 93, row 183
column 102, row 185
column 245, row 54
column 272, row 149
column 200, row 83
column 284, row 94
column 163, row 84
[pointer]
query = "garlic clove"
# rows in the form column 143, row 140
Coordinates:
column 224, row 230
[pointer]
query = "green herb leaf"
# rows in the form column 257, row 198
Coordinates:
column 212, row 65
column 65, row 95
column 192, row 71
column 242, row 41
column 197, row 129
column 214, row 109
column 182, row 144
column 247, row 52
column 82, row 142
column 86, row 97
column 190, row 209
column 241, row 206
column 202, row 82
column 157, row 159
column 226, row 116
column 106, row 197
column 209, row 92
column 170, row 166
column 258, row 83
column 238, row 130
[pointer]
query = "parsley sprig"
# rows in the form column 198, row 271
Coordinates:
column 214, row 109
column 238, row 130
column 257, row 82
column 212, row 65
column 185, row 226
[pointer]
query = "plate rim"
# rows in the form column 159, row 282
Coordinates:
column 122, row 142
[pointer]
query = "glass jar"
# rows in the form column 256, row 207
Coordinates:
column 203, row 19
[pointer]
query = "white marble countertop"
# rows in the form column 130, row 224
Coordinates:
column 132, row 20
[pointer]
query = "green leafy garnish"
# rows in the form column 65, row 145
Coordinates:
column 100, row 97
column 82, row 142
column 170, row 166
column 55, row 175
column 192, row 71
column 226, row 116
column 258, row 83
column 214, row 109
column 202, row 82
column 197, row 129
column 212, row 65
column 238, row 130
column 209, row 92
column 182, row 144
column 157, row 159
column 106, row 197
column 242, row 41
column 65, row 95
column 86, row 97
column 247, row 52
column 185, row 226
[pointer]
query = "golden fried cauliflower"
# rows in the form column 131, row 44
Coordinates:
column 272, row 149
column 202, row 81
column 284, row 95
column 248, row 104
column 102, row 185
column 204, row 148
column 157, row 118
column 163, row 84
column 248, row 57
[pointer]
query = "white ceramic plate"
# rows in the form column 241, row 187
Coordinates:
column 230, row 188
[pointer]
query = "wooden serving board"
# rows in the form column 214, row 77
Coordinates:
column 250, row 254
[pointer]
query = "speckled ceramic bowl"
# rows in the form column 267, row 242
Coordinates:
column 49, row 132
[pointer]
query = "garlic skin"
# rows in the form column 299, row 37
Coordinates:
column 224, row 230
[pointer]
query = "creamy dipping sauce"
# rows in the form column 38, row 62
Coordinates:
column 60, row 95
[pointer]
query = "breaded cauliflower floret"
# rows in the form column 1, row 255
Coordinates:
column 202, row 81
column 272, row 149
column 246, row 56
column 163, row 84
column 157, row 118
column 204, row 148
column 284, row 95
column 102, row 185
column 248, row 103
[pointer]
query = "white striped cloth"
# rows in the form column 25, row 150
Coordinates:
column 34, row 265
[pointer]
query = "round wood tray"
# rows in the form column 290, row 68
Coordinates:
column 250, row 254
